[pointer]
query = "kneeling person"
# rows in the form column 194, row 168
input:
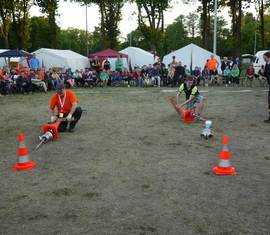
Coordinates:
column 192, row 95
column 67, row 107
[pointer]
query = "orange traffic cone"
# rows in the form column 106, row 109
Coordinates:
column 224, row 167
column 23, row 163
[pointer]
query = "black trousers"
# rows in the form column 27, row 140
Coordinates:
column 76, row 115
column 269, row 100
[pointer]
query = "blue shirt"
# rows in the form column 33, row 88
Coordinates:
column 34, row 63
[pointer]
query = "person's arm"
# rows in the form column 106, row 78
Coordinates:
column 192, row 97
column 73, row 108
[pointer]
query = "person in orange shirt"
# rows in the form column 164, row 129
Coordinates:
column 66, row 103
column 212, row 65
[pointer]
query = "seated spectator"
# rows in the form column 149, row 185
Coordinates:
column 205, row 76
column 35, row 78
column 2, row 83
column 250, row 76
column 235, row 73
column 68, row 79
column 104, row 77
column 77, row 76
column 227, row 76
column 171, row 72
column 116, row 78
column 24, row 84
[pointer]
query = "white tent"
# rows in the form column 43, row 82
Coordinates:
column 191, row 56
column 49, row 58
column 113, row 60
column 138, row 56
column 2, row 60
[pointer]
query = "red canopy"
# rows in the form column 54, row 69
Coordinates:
column 102, row 55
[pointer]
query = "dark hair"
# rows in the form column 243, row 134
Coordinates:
column 267, row 54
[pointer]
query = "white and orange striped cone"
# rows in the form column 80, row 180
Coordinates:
column 224, row 167
column 23, row 163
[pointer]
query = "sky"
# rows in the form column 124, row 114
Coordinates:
column 73, row 15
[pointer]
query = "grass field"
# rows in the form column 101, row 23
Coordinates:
column 132, row 167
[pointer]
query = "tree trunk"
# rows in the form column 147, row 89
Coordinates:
column 261, row 12
column 204, row 22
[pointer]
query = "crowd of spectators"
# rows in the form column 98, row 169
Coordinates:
column 33, row 78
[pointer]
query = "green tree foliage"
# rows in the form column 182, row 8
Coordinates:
column 74, row 39
column 50, row 7
column 5, row 20
column 176, row 35
column 21, row 25
column 40, row 33
column 151, row 21
column 110, row 12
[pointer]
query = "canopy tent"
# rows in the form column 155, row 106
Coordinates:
column 107, row 53
column 13, row 59
column 15, row 53
column 138, row 56
column 49, row 58
column 111, row 55
column 191, row 56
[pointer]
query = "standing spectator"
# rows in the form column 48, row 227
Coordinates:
column 266, row 57
column 106, row 65
column 174, row 62
column 95, row 65
column 235, row 73
column 262, row 78
column 34, row 63
column 250, row 75
column 179, row 74
column 119, row 64
column 212, row 66
column 156, row 73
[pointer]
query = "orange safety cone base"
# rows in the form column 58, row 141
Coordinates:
column 24, row 166
column 218, row 170
column 187, row 116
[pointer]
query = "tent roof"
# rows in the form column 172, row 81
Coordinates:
column 136, row 50
column 15, row 53
column 60, row 53
column 108, row 53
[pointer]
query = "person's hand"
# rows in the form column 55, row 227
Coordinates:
column 53, row 119
column 69, row 117
column 179, row 106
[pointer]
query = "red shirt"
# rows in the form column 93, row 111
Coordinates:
column 66, row 101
